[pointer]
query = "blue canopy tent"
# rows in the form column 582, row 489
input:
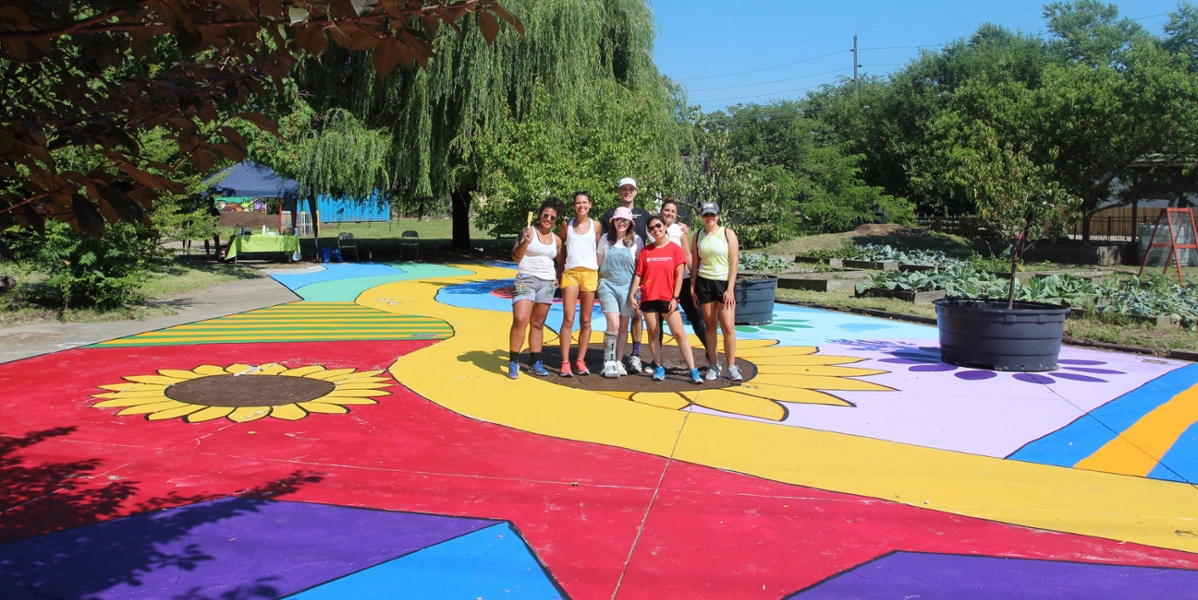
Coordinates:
column 252, row 180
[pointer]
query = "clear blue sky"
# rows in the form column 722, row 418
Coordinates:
column 756, row 50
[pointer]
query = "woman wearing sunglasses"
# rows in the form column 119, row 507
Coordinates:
column 536, row 253
column 659, row 277
column 617, row 264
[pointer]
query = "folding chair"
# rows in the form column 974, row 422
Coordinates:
column 346, row 241
column 414, row 244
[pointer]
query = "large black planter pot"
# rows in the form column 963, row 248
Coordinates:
column 985, row 334
column 755, row 299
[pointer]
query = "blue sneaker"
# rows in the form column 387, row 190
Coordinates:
column 659, row 374
column 538, row 369
column 513, row 370
column 695, row 378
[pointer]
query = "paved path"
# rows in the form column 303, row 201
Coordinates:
column 363, row 441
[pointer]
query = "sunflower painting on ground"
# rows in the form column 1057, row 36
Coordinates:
column 243, row 393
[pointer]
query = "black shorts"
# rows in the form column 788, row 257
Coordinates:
column 656, row 306
column 710, row 290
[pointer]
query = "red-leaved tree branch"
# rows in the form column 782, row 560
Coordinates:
column 91, row 75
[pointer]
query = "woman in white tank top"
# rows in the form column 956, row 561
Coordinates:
column 536, row 252
column 580, row 280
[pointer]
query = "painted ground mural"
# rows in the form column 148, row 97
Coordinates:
column 364, row 441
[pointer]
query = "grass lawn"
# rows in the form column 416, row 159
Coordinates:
column 170, row 279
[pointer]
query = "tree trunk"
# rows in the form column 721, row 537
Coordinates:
column 460, row 200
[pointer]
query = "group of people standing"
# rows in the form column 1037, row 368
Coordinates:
column 642, row 267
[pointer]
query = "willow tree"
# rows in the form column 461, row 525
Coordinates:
column 572, row 51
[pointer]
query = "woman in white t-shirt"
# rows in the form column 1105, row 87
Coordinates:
column 536, row 251
column 580, row 280
column 679, row 234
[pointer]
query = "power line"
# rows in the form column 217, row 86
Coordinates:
column 905, row 47
column 747, row 85
column 765, row 68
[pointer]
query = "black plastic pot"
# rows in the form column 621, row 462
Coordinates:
column 755, row 299
column 986, row 334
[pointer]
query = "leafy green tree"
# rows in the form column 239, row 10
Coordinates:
column 580, row 52
column 1018, row 198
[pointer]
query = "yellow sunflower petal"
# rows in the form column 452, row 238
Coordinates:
column 237, row 369
column 343, row 380
column 143, row 409
column 669, row 340
column 209, row 413
column 329, row 374
column 355, row 393
column 729, row 401
column 764, row 352
column 174, row 413
column 341, row 385
column 365, row 374
column 790, row 394
column 120, row 387
column 210, row 370
column 123, row 402
column 288, row 412
column 319, row 407
column 270, row 369
column 346, row 401
column 141, row 394
column 620, row 395
column 670, row 400
column 158, row 379
column 179, row 374
column 819, row 382
column 817, row 370
column 245, row 414
column 809, row 360
column 302, row 371
column 753, row 344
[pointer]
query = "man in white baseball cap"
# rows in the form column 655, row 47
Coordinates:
column 627, row 190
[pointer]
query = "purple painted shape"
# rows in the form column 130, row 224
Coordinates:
column 975, row 375
column 1076, row 361
column 952, row 577
column 233, row 547
column 933, row 368
column 1076, row 377
column 1033, row 378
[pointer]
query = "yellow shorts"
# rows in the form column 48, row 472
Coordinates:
column 586, row 279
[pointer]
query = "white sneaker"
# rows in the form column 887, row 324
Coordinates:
column 620, row 369
column 634, row 364
column 713, row 372
column 609, row 369
column 734, row 373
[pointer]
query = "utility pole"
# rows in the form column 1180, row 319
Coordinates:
column 856, row 83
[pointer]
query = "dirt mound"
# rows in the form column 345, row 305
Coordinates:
column 885, row 229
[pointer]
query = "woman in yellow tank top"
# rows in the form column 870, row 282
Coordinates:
column 715, row 252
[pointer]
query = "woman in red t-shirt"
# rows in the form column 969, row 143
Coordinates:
column 659, row 277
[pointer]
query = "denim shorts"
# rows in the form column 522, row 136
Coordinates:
column 613, row 297
column 539, row 291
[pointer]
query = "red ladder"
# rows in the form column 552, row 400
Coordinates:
column 1174, row 246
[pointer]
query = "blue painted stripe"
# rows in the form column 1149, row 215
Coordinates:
column 1180, row 463
column 1069, row 445
column 490, row 563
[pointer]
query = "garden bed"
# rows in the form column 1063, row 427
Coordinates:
column 822, row 282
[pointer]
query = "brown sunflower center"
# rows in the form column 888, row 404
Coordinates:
column 248, row 390
column 677, row 377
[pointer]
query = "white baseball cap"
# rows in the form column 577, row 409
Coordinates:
column 626, row 181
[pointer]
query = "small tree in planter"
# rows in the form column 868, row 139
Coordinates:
column 1021, row 201
column 1018, row 198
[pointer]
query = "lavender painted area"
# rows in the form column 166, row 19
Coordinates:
column 234, row 547
column 951, row 577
